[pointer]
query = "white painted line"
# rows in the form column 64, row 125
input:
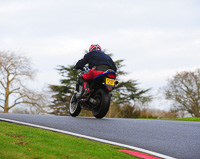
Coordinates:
column 91, row 138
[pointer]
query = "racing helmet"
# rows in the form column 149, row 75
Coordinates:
column 94, row 47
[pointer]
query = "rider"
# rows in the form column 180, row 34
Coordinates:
column 98, row 62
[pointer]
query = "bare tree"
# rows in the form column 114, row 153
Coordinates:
column 15, row 70
column 184, row 90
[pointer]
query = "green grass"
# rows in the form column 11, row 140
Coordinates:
column 185, row 119
column 178, row 119
column 22, row 142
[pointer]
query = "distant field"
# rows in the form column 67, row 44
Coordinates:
column 17, row 142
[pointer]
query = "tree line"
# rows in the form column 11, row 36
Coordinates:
column 128, row 100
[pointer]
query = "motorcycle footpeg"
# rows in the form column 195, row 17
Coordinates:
column 93, row 101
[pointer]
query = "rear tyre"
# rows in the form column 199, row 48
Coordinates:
column 102, row 97
column 74, row 106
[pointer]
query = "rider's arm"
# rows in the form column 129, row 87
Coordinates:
column 81, row 63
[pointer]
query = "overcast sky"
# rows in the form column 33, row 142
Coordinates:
column 156, row 38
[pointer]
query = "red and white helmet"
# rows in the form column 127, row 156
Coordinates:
column 94, row 47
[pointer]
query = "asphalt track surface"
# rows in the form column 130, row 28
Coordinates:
column 178, row 139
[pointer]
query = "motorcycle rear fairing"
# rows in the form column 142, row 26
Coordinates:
column 101, row 80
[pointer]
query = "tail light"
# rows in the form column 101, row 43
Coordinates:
column 109, row 89
column 111, row 75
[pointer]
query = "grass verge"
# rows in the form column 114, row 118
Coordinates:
column 17, row 141
column 178, row 119
column 186, row 119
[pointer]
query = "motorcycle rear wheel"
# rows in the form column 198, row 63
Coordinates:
column 102, row 96
column 74, row 106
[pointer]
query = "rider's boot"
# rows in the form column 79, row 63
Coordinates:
column 79, row 91
column 86, row 89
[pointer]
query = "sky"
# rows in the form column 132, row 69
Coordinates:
column 155, row 38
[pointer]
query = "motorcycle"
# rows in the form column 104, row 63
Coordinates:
column 97, row 98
